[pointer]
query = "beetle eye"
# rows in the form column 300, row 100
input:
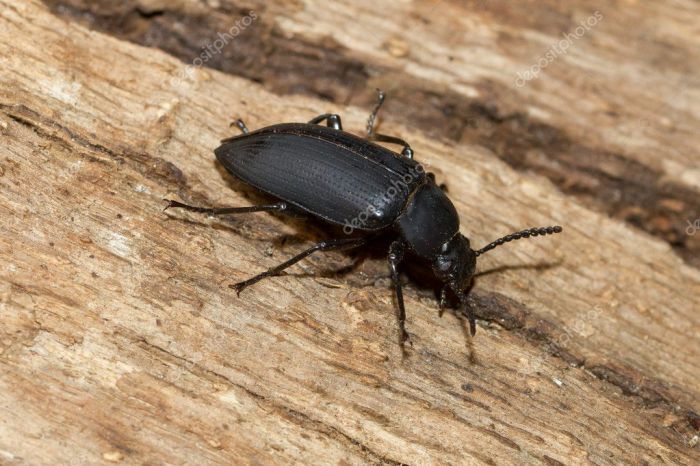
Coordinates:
column 444, row 264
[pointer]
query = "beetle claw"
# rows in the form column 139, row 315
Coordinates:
column 238, row 287
column 170, row 204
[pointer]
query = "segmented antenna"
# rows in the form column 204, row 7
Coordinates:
column 540, row 231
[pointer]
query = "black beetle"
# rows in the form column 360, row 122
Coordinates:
column 352, row 182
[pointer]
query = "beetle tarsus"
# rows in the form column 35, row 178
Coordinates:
column 240, row 286
column 169, row 205
column 469, row 314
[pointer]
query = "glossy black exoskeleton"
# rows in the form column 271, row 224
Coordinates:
column 364, row 188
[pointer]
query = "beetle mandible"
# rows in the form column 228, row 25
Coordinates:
column 352, row 182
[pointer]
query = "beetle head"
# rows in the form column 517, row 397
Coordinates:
column 455, row 263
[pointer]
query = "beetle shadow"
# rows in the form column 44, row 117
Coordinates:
column 540, row 266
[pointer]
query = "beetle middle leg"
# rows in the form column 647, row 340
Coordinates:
column 332, row 120
column 406, row 151
column 341, row 243
column 225, row 210
column 371, row 135
column 395, row 257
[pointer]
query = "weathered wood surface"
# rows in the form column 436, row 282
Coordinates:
column 611, row 118
column 121, row 342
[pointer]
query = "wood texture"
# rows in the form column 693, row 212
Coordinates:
column 609, row 116
column 121, row 341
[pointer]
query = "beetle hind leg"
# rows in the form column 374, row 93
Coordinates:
column 335, row 244
column 225, row 210
column 332, row 120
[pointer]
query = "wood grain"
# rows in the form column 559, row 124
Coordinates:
column 598, row 97
column 121, row 341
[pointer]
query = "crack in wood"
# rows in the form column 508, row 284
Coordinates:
column 153, row 168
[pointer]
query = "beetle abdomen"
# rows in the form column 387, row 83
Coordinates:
column 334, row 175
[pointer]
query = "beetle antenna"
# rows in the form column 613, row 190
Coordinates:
column 539, row 231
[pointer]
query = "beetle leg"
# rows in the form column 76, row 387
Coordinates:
column 332, row 120
column 406, row 151
column 468, row 312
column 443, row 299
column 373, row 116
column 342, row 243
column 395, row 257
column 225, row 210
column 240, row 125
column 372, row 136
column 466, row 309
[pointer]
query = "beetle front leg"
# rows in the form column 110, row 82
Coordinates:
column 443, row 300
column 332, row 120
column 225, row 210
column 395, row 257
